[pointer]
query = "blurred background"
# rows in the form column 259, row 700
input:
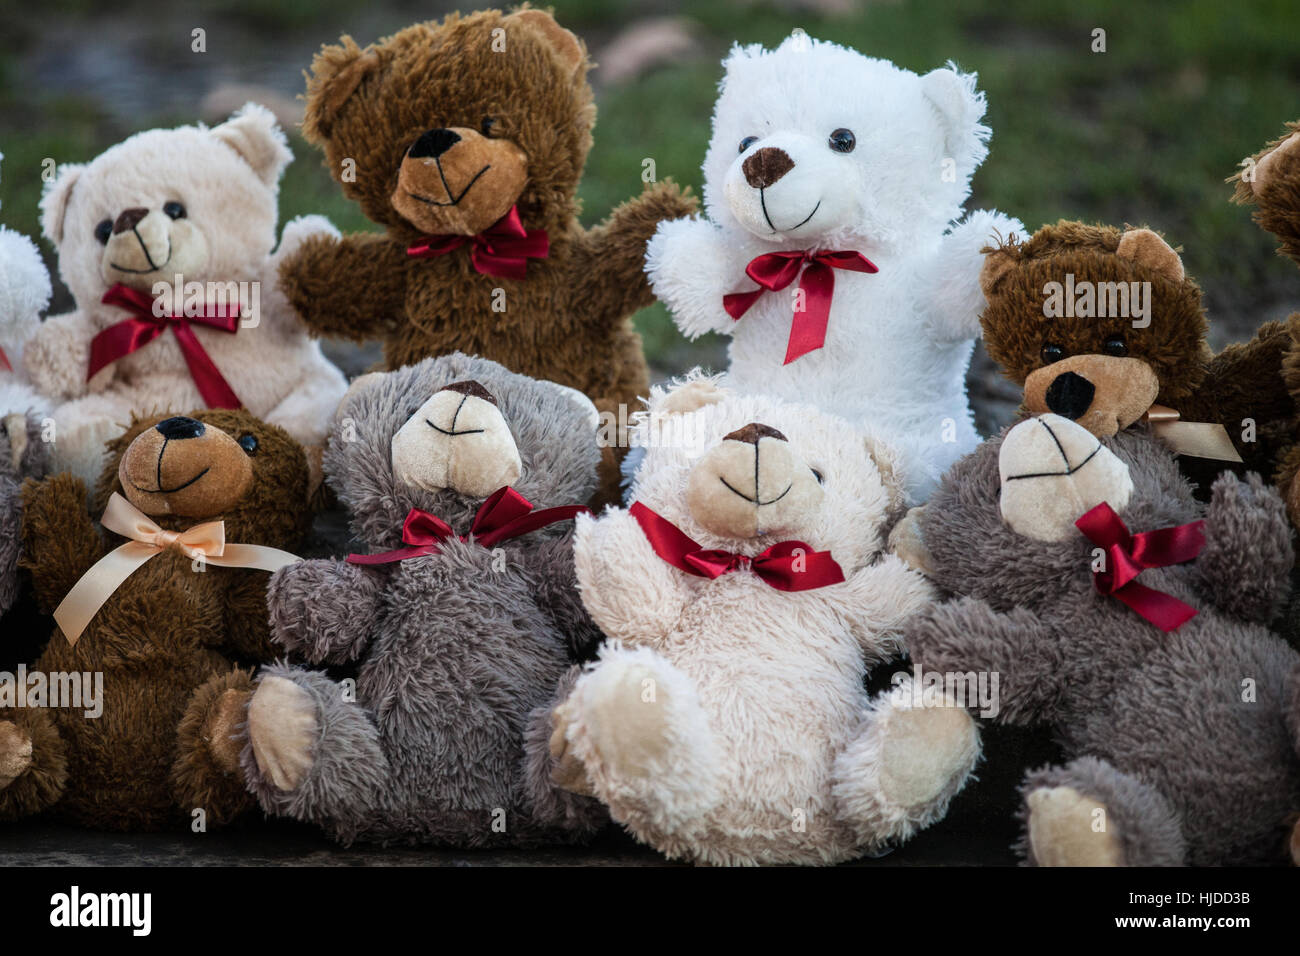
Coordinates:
column 1144, row 133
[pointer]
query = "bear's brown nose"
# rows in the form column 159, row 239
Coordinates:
column 754, row 431
column 128, row 219
column 470, row 387
column 766, row 166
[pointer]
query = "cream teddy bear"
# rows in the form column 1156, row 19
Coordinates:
column 165, row 241
column 745, row 595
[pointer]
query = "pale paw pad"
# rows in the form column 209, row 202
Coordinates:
column 282, row 726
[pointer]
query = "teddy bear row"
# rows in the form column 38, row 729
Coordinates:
column 495, row 663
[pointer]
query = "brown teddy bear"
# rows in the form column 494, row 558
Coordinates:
column 466, row 140
column 1104, row 327
column 1270, row 180
column 153, row 629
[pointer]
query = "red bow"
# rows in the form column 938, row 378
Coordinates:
column 774, row 271
column 129, row 335
column 786, row 565
column 1128, row 555
column 502, row 249
column 4, row 361
column 507, row 514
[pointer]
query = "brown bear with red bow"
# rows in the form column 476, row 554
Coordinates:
column 466, row 140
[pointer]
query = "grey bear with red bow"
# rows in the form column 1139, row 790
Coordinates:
column 464, row 621
column 1182, row 739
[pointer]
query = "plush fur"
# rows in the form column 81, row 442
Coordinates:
column 726, row 721
column 459, row 655
column 1169, row 362
column 1274, row 189
column 23, row 454
column 24, row 295
column 899, row 341
column 568, row 320
column 1160, row 739
column 167, row 642
column 226, row 179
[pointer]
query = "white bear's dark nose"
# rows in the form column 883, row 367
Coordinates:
column 766, row 166
column 754, row 431
column 128, row 219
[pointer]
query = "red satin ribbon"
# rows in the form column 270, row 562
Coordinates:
column 786, row 565
column 502, row 249
column 774, row 271
column 506, row 514
column 1128, row 555
column 129, row 335
column 4, row 361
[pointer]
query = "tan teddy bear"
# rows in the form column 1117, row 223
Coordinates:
column 193, row 206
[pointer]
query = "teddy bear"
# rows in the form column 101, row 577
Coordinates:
column 165, row 241
column 745, row 596
column 1130, row 618
column 24, row 295
column 462, row 620
column 170, row 620
column 465, row 140
column 853, row 197
column 1103, row 326
column 1270, row 181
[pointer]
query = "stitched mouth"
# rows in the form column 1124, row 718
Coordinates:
column 443, row 177
column 453, row 432
column 152, row 268
column 762, row 201
column 1069, row 469
column 160, row 490
column 755, row 500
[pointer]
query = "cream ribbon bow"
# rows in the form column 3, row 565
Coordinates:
column 205, row 542
column 1197, row 439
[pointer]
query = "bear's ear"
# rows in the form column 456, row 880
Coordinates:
column 565, row 43
column 689, row 396
column 581, row 402
column 1147, row 249
column 960, row 107
column 886, row 459
column 54, row 200
column 999, row 262
column 336, row 72
column 254, row 134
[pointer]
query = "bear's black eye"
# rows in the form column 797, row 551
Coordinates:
column 747, row 142
column 486, row 126
column 1115, row 346
column 248, row 443
column 1052, row 353
column 103, row 231
column 174, row 210
column 821, row 479
column 843, row 140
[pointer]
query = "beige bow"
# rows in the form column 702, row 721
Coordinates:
column 205, row 542
column 1197, row 439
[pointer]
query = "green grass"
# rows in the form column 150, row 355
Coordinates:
column 1143, row 133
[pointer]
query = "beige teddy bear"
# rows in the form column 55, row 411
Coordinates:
column 745, row 595
column 165, row 241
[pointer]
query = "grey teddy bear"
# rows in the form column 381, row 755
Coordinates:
column 1182, row 747
column 462, row 653
column 23, row 454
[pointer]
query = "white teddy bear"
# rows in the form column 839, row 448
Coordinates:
column 24, row 295
column 745, row 594
column 196, row 205
column 819, row 149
